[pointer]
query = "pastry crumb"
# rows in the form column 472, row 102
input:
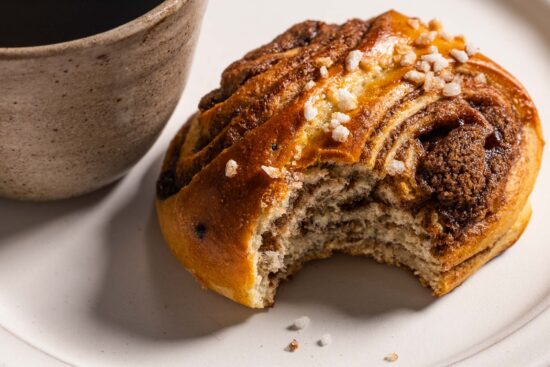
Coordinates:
column 326, row 339
column 293, row 345
column 392, row 357
column 300, row 323
column 231, row 168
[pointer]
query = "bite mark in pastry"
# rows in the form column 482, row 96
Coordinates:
column 387, row 138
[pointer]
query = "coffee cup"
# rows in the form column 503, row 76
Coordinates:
column 83, row 100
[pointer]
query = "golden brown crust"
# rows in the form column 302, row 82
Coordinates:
column 454, row 277
column 256, row 118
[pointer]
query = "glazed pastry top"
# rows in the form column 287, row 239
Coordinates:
column 423, row 110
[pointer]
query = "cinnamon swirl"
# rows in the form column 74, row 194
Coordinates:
column 387, row 138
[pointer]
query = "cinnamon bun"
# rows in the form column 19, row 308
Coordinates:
column 387, row 138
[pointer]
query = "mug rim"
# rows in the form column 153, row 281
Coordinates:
column 113, row 35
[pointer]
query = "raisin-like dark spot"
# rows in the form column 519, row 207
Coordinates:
column 200, row 230
column 494, row 140
column 274, row 146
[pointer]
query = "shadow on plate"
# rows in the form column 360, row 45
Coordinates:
column 147, row 294
column 357, row 286
column 19, row 216
column 535, row 14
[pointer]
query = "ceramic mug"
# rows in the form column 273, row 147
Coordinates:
column 75, row 116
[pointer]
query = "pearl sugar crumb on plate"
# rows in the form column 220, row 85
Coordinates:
column 300, row 323
column 326, row 339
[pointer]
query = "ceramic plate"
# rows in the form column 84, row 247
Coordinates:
column 89, row 282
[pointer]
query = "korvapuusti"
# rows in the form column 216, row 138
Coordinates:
column 388, row 138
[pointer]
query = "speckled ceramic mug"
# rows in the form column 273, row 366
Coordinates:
column 75, row 116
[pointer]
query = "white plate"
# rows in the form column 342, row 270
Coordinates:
column 89, row 281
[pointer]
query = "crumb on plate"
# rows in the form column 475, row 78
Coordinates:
column 300, row 323
column 325, row 340
column 293, row 345
column 392, row 357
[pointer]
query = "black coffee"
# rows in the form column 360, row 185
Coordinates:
column 39, row 22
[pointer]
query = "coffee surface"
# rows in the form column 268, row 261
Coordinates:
column 26, row 23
